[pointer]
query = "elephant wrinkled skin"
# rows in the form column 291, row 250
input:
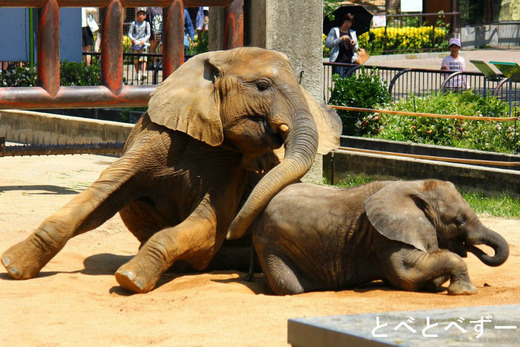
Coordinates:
column 206, row 144
column 411, row 235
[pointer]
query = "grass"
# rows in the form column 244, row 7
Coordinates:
column 493, row 204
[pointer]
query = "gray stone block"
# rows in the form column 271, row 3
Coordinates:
column 464, row 326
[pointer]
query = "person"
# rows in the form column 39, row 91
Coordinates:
column 343, row 41
column 87, row 36
column 454, row 62
column 189, row 31
column 139, row 33
column 154, row 15
column 202, row 19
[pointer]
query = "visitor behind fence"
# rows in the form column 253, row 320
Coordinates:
column 139, row 33
column 189, row 31
column 344, row 44
column 154, row 15
column 454, row 62
column 88, row 27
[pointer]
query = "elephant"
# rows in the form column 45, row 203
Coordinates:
column 221, row 136
column 412, row 235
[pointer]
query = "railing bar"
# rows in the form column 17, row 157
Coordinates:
column 49, row 47
column 104, row 3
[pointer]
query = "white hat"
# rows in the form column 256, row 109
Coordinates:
column 454, row 41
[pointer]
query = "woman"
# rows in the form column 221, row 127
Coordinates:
column 343, row 41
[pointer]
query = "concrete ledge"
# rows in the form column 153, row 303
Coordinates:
column 337, row 165
column 466, row 326
column 38, row 128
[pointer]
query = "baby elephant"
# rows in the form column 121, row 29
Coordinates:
column 410, row 234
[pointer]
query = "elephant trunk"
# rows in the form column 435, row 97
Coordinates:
column 301, row 145
column 493, row 240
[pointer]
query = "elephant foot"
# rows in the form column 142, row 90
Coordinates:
column 462, row 288
column 24, row 260
column 136, row 279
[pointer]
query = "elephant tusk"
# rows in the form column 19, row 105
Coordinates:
column 283, row 128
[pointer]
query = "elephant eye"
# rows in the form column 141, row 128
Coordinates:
column 460, row 221
column 262, row 85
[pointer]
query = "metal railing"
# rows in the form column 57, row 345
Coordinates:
column 405, row 81
column 113, row 91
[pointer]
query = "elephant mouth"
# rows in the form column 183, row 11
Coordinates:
column 274, row 139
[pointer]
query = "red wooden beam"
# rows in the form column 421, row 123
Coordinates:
column 112, row 92
column 112, row 47
column 173, row 37
column 234, row 28
column 105, row 3
column 49, row 47
column 74, row 97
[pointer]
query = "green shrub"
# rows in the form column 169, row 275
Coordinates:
column 71, row 74
column 200, row 44
column 79, row 74
column 20, row 76
column 366, row 90
column 473, row 134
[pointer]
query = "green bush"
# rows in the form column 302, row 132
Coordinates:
column 200, row 44
column 20, row 76
column 473, row 134
column 71, row 74
column 366, row 90
column 79, row 74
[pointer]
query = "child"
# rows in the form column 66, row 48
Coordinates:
column 139, row 33
column 453, row 63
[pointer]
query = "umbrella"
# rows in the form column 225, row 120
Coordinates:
column 362, row 19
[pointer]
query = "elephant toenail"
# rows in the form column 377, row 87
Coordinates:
column 128, row 274
column 139, row 284
column 14, row 272
column 6, row 261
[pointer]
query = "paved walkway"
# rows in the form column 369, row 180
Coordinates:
column 433, row 60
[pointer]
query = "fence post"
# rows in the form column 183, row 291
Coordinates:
column 49, row 47
column 434, row 21
column 516, row 132
column 112, row 47
column 173, row 37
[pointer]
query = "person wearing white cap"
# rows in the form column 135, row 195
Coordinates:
column 454, row 62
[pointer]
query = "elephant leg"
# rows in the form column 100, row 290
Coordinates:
column 280, row 273
column 195, row 240
column 84, row 212
column 143, row 219
column 420, row 270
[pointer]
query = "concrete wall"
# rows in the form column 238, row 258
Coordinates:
column 38, row 128
column 343, row 163
column 494, row 35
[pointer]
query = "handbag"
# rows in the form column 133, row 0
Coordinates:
column 362, row 56
column 92, row 24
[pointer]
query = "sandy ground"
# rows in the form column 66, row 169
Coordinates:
column 76, row 301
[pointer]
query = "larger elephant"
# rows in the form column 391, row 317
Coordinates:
column 411, row 234
column 209, row 135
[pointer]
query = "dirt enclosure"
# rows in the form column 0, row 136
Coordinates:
column 76, row 301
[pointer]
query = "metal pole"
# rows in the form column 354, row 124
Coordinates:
column 31, row 37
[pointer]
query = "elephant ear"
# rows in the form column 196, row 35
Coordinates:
column 400, row 212
column 327, row 122
column 188, row 101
